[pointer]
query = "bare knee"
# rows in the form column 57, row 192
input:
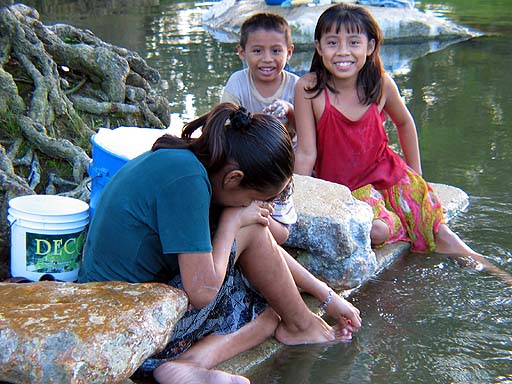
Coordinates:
column 379, row 233
column 254, row 238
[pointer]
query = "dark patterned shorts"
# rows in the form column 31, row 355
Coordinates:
column 236, row 304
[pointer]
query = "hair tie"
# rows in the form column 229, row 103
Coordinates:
column 240, row 119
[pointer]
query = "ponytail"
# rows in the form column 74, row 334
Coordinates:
column 258, row 143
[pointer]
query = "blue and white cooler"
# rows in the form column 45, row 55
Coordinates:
column 111, row 149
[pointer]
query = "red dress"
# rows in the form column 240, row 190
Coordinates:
column 356, row 153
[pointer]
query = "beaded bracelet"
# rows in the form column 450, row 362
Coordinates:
column 328, row 300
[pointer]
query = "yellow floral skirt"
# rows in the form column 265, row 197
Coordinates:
column 410, row 208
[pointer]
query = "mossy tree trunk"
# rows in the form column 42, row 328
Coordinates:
column 57, row 84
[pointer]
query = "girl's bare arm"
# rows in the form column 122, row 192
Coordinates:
column 395, row 107
column 203, row 273
column 278, row 230
column 305, row 125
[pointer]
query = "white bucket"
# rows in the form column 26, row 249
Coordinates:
column 47, row 236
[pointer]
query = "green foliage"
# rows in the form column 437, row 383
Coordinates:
column 59, row 167
column 70, row 40
column 85, row 144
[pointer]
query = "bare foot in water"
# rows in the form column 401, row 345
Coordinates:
column 175, row 372
column 318, row 332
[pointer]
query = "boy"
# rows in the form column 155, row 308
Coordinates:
column 265, row 86
column 265, row 46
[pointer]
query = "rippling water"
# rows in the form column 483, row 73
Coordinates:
column 426, row 320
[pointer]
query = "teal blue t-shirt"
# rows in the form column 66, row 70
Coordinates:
column 155, row 207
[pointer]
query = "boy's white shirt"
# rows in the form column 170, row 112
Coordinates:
column 284, row 211
column 240, row 89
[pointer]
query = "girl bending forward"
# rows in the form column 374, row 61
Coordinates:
column 193, row 212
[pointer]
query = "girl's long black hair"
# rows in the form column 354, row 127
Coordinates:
column 257, row 143
column 355, row 19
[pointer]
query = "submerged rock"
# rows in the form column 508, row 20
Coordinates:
column 53, row 332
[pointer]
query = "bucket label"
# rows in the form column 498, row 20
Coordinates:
column 54, row 253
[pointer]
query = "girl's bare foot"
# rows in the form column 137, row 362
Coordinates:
column 449, row 243
column 316, row 333
column 175, row 372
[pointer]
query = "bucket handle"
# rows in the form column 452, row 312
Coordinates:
column 11, row 223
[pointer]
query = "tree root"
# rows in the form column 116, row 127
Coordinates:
column 58, row 84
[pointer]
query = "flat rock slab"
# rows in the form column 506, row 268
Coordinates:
column 53, row 332
column 224, row 19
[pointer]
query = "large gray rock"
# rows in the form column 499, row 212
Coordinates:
column 333, row 232
column 332, row 235
column 52, row 332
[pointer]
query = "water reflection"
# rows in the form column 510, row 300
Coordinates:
column 345, row 362
column 170, row 36
column 419, row 327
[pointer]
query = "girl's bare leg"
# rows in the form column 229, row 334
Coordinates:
column 448, row 243
column 264, row 266
column 194, row 365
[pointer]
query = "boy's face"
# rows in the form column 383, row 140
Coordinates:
column 266, row 54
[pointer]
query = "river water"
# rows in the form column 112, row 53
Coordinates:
column 426, row 320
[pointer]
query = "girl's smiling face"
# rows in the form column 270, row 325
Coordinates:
column 344, row 53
